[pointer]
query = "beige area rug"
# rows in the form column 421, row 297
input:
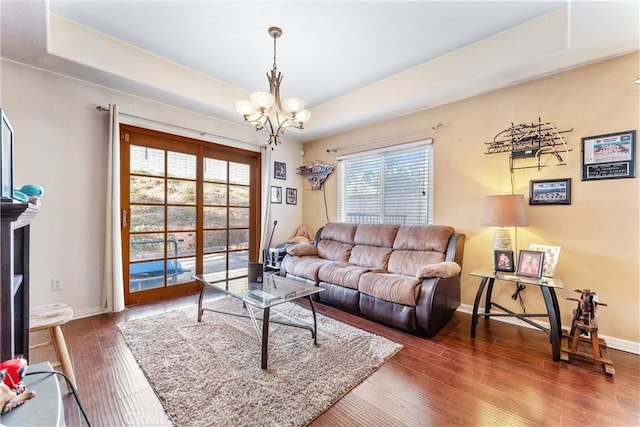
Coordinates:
column 209, row 373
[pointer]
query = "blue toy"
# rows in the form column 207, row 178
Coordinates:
column 32, row 190
column 25, row 193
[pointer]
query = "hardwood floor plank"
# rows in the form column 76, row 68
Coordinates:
column 503, row 376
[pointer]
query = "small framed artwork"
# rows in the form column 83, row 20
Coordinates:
column 6, row 168
column 609, row 156
column 292, row 196
column 503, row 261
column 279, row 170
column 551, row 255
column 276, row 194
column 530, row 263
column 550, row 192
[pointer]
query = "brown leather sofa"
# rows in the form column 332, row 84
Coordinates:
column 405, row 276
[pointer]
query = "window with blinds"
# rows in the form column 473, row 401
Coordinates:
column 390, row 186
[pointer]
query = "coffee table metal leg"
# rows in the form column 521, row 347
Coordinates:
column 315, row 324
column 200, row 311
column 265, row 337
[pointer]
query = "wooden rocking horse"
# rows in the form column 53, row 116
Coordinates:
column 584, row 328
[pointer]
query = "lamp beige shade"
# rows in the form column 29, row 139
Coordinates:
column 504, row 211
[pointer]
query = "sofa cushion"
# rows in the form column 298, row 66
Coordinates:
column 334, row 251
column 304, row 267
column 340, row 232
column 342, row 274
column 443, row 270
column 370, row 256
column 395, row 288
column 336, row 241
column 421, row 238
column 376, row 234
column 416, row 246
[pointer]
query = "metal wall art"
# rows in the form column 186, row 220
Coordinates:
column 541, row 141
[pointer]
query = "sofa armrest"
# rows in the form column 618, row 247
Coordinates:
column 444, row 270
column 439, row 298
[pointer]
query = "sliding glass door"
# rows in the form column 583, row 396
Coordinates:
column 188, row 207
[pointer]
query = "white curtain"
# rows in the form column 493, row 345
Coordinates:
column 266, row 202
column 113, row 287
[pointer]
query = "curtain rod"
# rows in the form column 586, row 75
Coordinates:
column 201, row 133
column 434, row 128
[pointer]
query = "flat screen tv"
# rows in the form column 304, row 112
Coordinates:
column 6, row 165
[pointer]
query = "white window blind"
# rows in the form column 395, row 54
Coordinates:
column 391, row 186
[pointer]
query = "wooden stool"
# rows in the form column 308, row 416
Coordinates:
column 51, row 317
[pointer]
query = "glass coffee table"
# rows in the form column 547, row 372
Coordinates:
column 273, row 290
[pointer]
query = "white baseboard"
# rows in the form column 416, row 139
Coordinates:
column 612, row 342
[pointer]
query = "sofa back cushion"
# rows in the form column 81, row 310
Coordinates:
column 418, row 245
column 373, row 245
column 336, row 241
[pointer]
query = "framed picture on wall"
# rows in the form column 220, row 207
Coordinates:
column 276, row 194
column 292, row 196
column 550, row 192
column 279, row 170
column 609, row 156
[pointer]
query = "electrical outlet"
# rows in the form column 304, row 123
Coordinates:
column 56, row 285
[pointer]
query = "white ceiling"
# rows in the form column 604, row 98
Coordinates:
column 353, row 62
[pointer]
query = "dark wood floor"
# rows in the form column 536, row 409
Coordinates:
column 503, row 377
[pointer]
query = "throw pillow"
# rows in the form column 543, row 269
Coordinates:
column 442, row 269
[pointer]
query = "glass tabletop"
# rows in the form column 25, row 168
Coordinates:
column 272, row 291
column 512, row 277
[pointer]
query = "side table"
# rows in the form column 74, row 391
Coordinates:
column 547, row 287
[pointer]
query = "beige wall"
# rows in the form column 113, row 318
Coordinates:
column 598, row 232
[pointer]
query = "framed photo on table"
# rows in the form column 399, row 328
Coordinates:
column 609, row 156
column 530, row 263
column 503, row 261
column 550, row 192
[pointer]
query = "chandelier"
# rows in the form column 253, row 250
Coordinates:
column 265, row 110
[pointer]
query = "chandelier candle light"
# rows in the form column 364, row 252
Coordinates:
column 503, row 211
column 266, row 110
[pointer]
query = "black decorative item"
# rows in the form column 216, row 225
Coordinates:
column 609, row 156
column 6, row 168
column 550, row 192
column 531, row 140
